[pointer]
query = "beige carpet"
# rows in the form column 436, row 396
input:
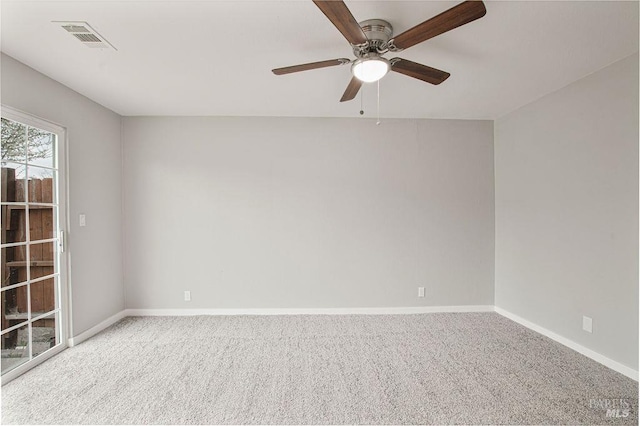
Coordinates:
column 471, row 368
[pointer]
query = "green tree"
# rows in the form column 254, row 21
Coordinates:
column 19, row 144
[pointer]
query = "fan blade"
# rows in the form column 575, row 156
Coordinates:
column 446, row 21
column 419, row 71
column 310, row 66
column 352, row 90
column 339, row 14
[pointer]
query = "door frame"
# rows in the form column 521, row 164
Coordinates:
column 64, row 280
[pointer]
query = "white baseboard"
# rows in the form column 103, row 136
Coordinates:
column 309, row 311
column 96, row 329
column 608, row 362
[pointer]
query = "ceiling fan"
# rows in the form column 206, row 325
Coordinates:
column 372, row 38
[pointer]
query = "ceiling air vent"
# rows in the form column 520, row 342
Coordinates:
column 87, row 35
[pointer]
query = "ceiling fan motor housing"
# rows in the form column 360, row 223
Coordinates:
column 378, row 32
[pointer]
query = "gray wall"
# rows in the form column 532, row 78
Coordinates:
column 95, row 187
column 567, row 211
column 303, row 213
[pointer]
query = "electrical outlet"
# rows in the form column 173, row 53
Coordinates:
column 420, row 291
column 82, row 220
column 187, row 296
column 587, row 324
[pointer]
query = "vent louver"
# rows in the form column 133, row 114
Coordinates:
column 87, row 35
column 76, row 28
column 88, row 38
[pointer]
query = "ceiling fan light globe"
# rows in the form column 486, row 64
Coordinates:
column 370, row 70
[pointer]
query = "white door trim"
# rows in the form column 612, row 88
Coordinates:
column 62, row 156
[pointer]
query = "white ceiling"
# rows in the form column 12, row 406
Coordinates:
column 215, row 57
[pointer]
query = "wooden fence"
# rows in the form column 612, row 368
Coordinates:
column 14, row 262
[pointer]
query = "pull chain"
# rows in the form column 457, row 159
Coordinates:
column 361, row 96
column 378, row 122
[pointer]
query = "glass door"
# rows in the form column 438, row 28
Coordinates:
column 32, row 267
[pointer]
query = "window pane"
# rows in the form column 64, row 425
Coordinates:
column 15, row 348
column 44, row 334
column 43, row 297
column 14, row 265
column 14, row 306
column 41, row 263
column 41, row 184
column 13, row 182
column 41, row 222
column 40, row 173
column 14, row 223
column 14, row 141
column 41, row 147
